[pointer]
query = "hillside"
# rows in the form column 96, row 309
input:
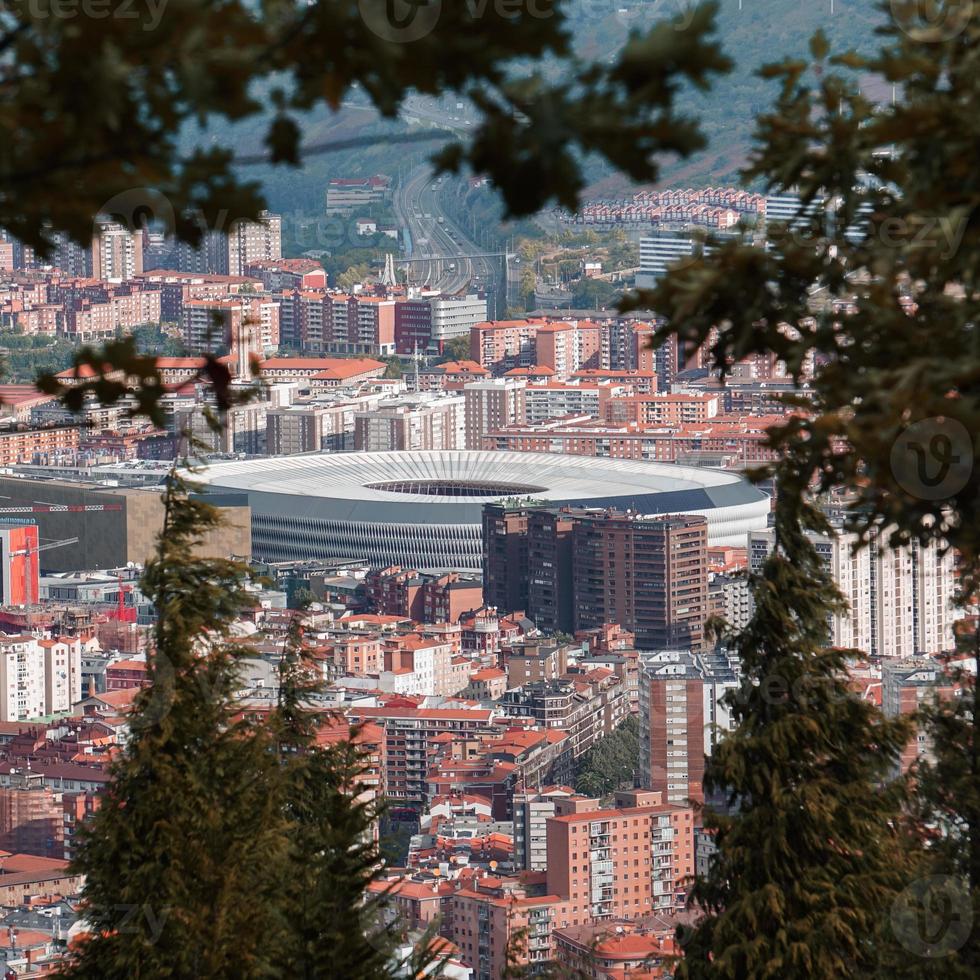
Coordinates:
column 752, row 32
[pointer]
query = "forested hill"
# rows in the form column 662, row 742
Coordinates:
column 752, row 32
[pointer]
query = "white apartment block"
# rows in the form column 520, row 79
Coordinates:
column 117, row 252
column 553, row 400
column 254, row 241
column 21, row 678
column 38, row 677
column 62, row 673
column 426, row 669
column 900, row 599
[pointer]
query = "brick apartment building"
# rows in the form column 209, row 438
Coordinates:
column 648, row 574
column 578, row 570
column 623, row 862
column 39, row 446
column 423, row 597
column 409, row 730
column 505, row 557
column 491, row 405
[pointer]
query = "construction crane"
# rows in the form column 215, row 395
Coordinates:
column 124, row 615
column 28, row 577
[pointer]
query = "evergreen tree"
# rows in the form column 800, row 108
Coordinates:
column 337, row 927
column 177, row 859
column 808, row 853
column 872, row 295
column 936, row 919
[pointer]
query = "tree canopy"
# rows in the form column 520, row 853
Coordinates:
column 109, row 113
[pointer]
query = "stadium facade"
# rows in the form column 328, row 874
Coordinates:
column 424, row 509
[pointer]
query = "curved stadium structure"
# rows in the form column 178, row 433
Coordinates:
column 424, row 509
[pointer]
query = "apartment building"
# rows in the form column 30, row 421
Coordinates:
column 550, row 558
column 409, row 732
column 556, row 399
column 278, row 275
column 660, row 410
column 491, row 405
column 532, row 810
column 249, row 242
column 586, row 707
column 649, row 574
column 412, row 422
column 900, row 600
column 907, row 686
column 682, row 718
column 38, row 446
column 301, row 428
column 622, row 862
column 499, row 345
column 567, row 346
column 421, row 665
column 38, row 677
column 176, row 288
column 740, row 442
column 505, row 558
column 117, row 252
column 561, row 346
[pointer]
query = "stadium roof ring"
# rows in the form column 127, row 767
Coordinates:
column 424, row 509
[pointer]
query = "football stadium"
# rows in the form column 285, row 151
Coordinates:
column 423, row 510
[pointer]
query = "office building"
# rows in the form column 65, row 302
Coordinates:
column 425, row 324
column 661, row 251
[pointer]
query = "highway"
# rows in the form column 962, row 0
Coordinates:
column 443, row 256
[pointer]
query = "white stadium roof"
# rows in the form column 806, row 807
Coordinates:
column 344, row 499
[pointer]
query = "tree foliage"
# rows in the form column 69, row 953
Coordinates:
column 228, row 844
column 808, row 854
column 611, row 763
column 189, row 826
column 108, row 113
column 456, row 349
column 875, row 285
